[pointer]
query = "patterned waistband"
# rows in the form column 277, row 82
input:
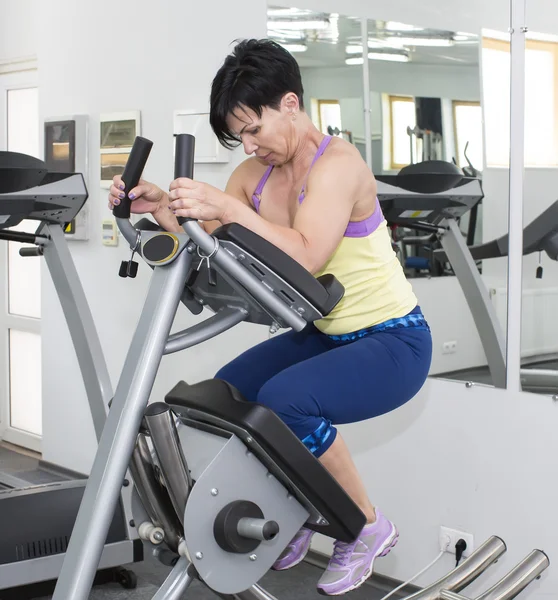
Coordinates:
column 414, row 319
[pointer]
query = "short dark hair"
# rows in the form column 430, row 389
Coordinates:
column 257, row 74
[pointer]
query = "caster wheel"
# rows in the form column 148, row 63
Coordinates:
column 127, row 579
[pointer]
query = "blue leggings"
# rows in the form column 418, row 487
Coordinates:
column 313, row 381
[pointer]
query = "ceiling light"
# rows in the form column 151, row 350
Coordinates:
column 297, row 25
column 358, row 60
column 357, row 48
column 295, row 47
column 460, row 37
column 285, row 12
column 420, row 41
column 353, row 49
column 286, row 35
column 403, row 58
column 395, row 26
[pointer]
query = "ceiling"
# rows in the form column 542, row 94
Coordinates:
column 327, row 35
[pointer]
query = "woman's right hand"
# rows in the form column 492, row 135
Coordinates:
column 146, row 197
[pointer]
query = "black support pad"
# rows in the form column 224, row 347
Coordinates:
column 324, row 293
column 218, row 399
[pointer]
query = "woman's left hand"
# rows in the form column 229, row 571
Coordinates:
column 197, row 200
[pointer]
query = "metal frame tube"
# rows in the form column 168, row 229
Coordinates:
column 177, row 582
column 121, row 429
column 529, row 569
column 161, row 426
column 81, row 326
column 366, row 93
column 479, row 302
column 517, row 176
column 466, row 572
column 153, row 496
column 236, row 270
column 225, row 319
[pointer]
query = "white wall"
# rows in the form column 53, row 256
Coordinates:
column 19, row 29
column 111, row 57
column 478, row 460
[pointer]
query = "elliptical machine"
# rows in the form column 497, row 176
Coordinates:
column 220, row 483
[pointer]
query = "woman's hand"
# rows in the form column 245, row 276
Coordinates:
column 197, row 200
column 146, row 197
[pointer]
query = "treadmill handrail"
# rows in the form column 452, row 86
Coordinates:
column 541, row 234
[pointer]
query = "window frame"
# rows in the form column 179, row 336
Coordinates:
column 392, row 98
column 499, row 45
column 455, row 105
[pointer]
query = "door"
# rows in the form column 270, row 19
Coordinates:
column 20, row 281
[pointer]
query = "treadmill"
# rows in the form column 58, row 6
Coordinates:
column 39, row 502
column 431, row 197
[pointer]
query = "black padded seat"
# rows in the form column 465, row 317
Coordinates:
column 324, row 292
column 215, row 399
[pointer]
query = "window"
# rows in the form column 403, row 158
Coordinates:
column 329, row 115
column 402, row 113
column 467, row 119
column 541, row 102
column 20, row 279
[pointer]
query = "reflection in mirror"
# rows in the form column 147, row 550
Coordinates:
column 426, row 148
column 539, row 327
column 333, row 91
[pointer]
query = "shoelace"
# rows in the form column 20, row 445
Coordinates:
column 342, row 552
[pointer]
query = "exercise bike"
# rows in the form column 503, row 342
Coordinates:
column 221, row 485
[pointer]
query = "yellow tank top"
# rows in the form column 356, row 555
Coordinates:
column 376, row 288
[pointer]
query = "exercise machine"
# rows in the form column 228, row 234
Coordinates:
column 431, row 199
column 221, row 485
column 38, row 508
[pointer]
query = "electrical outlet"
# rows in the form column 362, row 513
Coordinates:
column 449, row 347
column 454, row 536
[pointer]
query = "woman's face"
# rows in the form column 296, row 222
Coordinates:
column 270, row 137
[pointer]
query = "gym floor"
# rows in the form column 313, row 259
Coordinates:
column 298, row 584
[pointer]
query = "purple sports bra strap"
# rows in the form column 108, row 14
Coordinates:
column 256, row 196
column 320, row 151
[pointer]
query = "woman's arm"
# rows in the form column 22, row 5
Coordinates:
column 235, row 188
column 320, row 221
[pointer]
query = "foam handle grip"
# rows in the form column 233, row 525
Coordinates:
column 132, row 173
column 185, row 146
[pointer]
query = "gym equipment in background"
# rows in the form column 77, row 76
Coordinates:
column 431, row 200
column 221, row 484
column 38, row 507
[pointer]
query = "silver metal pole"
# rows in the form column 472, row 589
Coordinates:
column 160, row 422
column 476, row 294
column 518, row 578
column 223, row 320
column 81, row 326
column 176, row 583
column 511, row 584
column 446, row 595
column 517, row 175
column 366, row 92
column 235, row 269
column 154, row 497
column 121, row 429
column 466, row 572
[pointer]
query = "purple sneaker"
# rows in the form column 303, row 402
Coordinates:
column 295, row 552
column 352, row 564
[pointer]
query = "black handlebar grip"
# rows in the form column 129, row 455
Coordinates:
column 185, row 146
column 132, row 173
column 36, row 251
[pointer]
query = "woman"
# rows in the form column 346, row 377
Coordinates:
column 313, row 197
